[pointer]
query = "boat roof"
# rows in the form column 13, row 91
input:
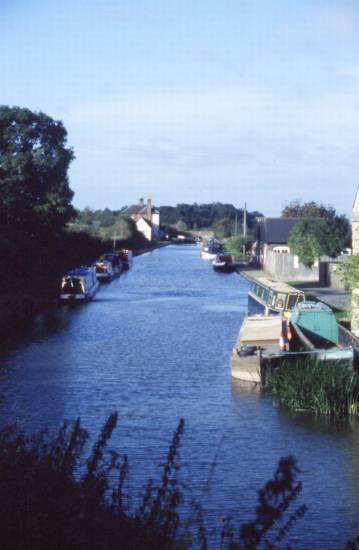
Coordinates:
column 278, row 286
column 78, row 271
column 309, row 306
column 260, row 328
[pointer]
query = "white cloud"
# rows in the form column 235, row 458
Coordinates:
column 217, row 139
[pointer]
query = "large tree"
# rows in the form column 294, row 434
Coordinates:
column 34, row 190
column 311, row 238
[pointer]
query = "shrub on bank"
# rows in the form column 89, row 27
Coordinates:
column 52, row 496
column 319, row 387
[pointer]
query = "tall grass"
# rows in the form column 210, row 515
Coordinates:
column 54, row 497
column 319, row 387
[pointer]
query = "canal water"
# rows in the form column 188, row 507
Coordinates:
column 155, row 345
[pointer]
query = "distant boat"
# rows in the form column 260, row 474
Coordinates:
column 79, row 285
column 126, row 258
column 104, row 271
column 210, row 249
column 224, row 263
column 115, row 261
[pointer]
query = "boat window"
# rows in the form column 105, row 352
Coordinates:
column 273, row 299
column 270, row 296
column 261, row 291
column 280, row 302
column 265, row 294
column 72, row 286
column 292, row 300
column 300, row 298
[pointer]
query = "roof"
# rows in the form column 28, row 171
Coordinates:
column 279, row 286
column 275, row 230
column 137, row 209
column 133, row 209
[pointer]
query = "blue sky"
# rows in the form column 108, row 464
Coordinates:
column 193, row 100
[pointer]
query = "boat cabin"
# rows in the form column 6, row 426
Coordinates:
column 272, row 297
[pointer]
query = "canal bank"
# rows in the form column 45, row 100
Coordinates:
column 18, row 307
column 154, row 345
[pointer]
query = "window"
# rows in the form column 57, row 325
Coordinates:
column 280, row 302
column 292, row 300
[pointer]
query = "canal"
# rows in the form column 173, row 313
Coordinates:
column 155, row 345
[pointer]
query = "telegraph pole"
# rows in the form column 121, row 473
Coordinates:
column 245, row 220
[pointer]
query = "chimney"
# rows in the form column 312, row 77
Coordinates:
column 141, row 202
column 149, row 210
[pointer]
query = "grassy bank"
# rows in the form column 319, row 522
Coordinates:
column 317, row 387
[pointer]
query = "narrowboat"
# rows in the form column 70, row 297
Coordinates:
column 79, row 285
column 115, row 261
column 272, row 297
column 126, row 258
column 223, row 263
column 258, row 339
column 210, row 249
column 314, row 328
column 104, row 271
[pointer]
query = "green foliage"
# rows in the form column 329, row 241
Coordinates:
column 311, row 238
column 223, row 229
column 205, row 216
column 34, row 160
column 52, row 495
column 303, row 241
column 351, row 272
column 311, row 209
column 237, row 246
column 318, row 387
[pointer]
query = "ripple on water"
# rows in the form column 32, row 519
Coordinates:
column 155, row 345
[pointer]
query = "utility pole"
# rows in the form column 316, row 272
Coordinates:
column 236, row 224
column 245, row 220
column 244, row 226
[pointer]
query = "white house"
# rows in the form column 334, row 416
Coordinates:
column 147, row 218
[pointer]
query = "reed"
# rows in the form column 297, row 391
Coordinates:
column 55, row 496
column 323, row 388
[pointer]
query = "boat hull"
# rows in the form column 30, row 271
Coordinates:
column 224, row 268
column 79, row 297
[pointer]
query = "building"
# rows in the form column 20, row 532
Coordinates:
column 147, row 218
column 272, row 234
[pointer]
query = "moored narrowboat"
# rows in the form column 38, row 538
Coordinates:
column 79, row 285
column 223, row 263
column 104, row 271
column 210, row 248
column 126, row 258
column 272, row 297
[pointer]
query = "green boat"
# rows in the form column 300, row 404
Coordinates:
column 315, row 330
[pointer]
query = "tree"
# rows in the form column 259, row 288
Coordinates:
column 311, row 209
column 304, row 240
column 34, row 160
column 320, row 232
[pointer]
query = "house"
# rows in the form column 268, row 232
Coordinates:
column 147, row 218
column 272, row 234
